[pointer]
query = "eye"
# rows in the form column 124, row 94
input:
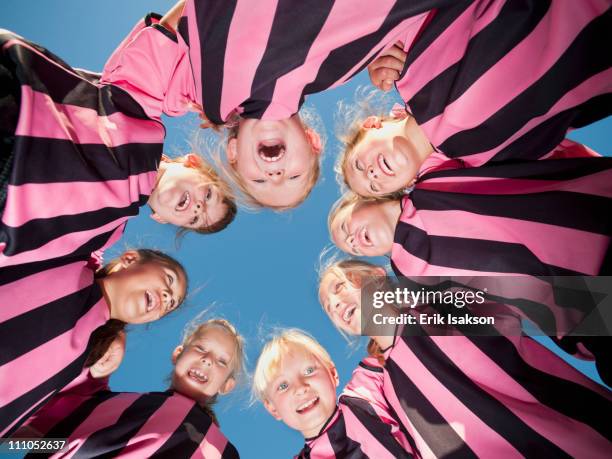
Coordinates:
column 358, row 166
column 222, row 363
column 294, row 177
column 209, row 194
column 282, row 387
column 339, row 287
column 373, row 188
column 170, row 279
column 259, row 181
column 194, row 220
column 309, row 370
column 200, row 349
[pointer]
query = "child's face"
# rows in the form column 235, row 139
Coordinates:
column 275, row 159
column 141, row 292
column 203, row 368
column 365, row 231
column 341, row 300
column 183, row 198
column 383, row 162
column 303, row 392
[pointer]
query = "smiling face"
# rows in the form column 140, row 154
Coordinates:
column 341, row 300
column 383, row 162
column 184, row 197
column 203, row 367
column 303, row 392
column 143, row 291
column 368, row 230
column 276, row 160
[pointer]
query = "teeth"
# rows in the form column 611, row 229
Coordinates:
column 384, row 165
column 198, row 375
column 184, row 202
column 271, row 151
column 149, row 300
column 349, row 313
column 307, row 405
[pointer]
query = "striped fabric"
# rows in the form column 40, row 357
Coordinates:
column 137, row 425
column 86, row 149
column 46, row 320
column 262, row 62
column 362, row 426
column 491, row 396
column 492, row 80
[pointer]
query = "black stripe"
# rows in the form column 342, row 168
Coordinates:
column 585, row 57
column 166, row 32
column 370, row 367
column 566, row 397
column 183, row 29
column 428, row 422
column 43, row 75
column 109, row 441
column 213, row 20
column 42, row 160
column 515, row 21
column 547, row 135
column 368, row 418
column 342, row 446
column 24, row 403
column 473, row 254
column 13, row 273
column 36, row 233
column 342, row 59
column 560, row 208
column 443, row 17
column 295, row 27
column 35, row 328
column 230, row 452
column 488, row 409
column 186, row 439
column 401, row 426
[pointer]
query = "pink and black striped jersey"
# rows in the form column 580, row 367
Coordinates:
column 492, row 396
column 85, row 148
column 492, row 80
column 46, row 321
column 125, row 424
column 362, row 426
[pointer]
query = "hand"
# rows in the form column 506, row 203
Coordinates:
column 387, row 67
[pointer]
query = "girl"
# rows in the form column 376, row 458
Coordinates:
column 85, row 151
column 453, row 52
column 296, row 381
column 176, row 423
column 49, row 316
column 476, row 396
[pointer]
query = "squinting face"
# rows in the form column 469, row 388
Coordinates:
column 203, row 367
column 183, row 198
column 146, row 291
column 365, row 231
column 341, row 300
column 382, row 163
column 303, row 392
column 275, row 159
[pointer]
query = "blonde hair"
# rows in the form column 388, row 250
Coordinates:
column 343, row 208
column 349, row 126
column 272, row 354
column 205, row 169
column 310, row 120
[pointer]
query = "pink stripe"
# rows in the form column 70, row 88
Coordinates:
column 51, row 357
column 158, row 428
column 346, row 21
column 61, row 246
column 213, row 444
column 194, row 46
column 249, row 25
column 81, row 125
column 31, row 200
column 370, row 445
column 576, row 438
column 597, row 184
column 321, row 446
column 573, row 249
column 426, row 67
column 41, row 288
column 104, row 415
column 23, row 416
column 484, row 441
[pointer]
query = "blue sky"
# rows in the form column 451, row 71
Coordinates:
column 259, row 273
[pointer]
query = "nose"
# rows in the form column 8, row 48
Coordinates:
column 275, row 175
column 372, row 173
column 199, row 207
column 301, row 387
column 206, row 360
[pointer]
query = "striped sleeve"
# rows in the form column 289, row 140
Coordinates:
column 259, row 63
column 45, row 324
column 156, row 424
column 491, row 396
column 493, row 80
column 84, row 158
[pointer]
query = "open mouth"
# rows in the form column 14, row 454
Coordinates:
column 184, row 202
column 152, row 301
column 271, row 150
column 384, row 166
column 197, row 376
column 309, row 405
column 364, row 238
column 348, row 313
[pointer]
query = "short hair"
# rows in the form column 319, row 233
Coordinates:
column 272, row 354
